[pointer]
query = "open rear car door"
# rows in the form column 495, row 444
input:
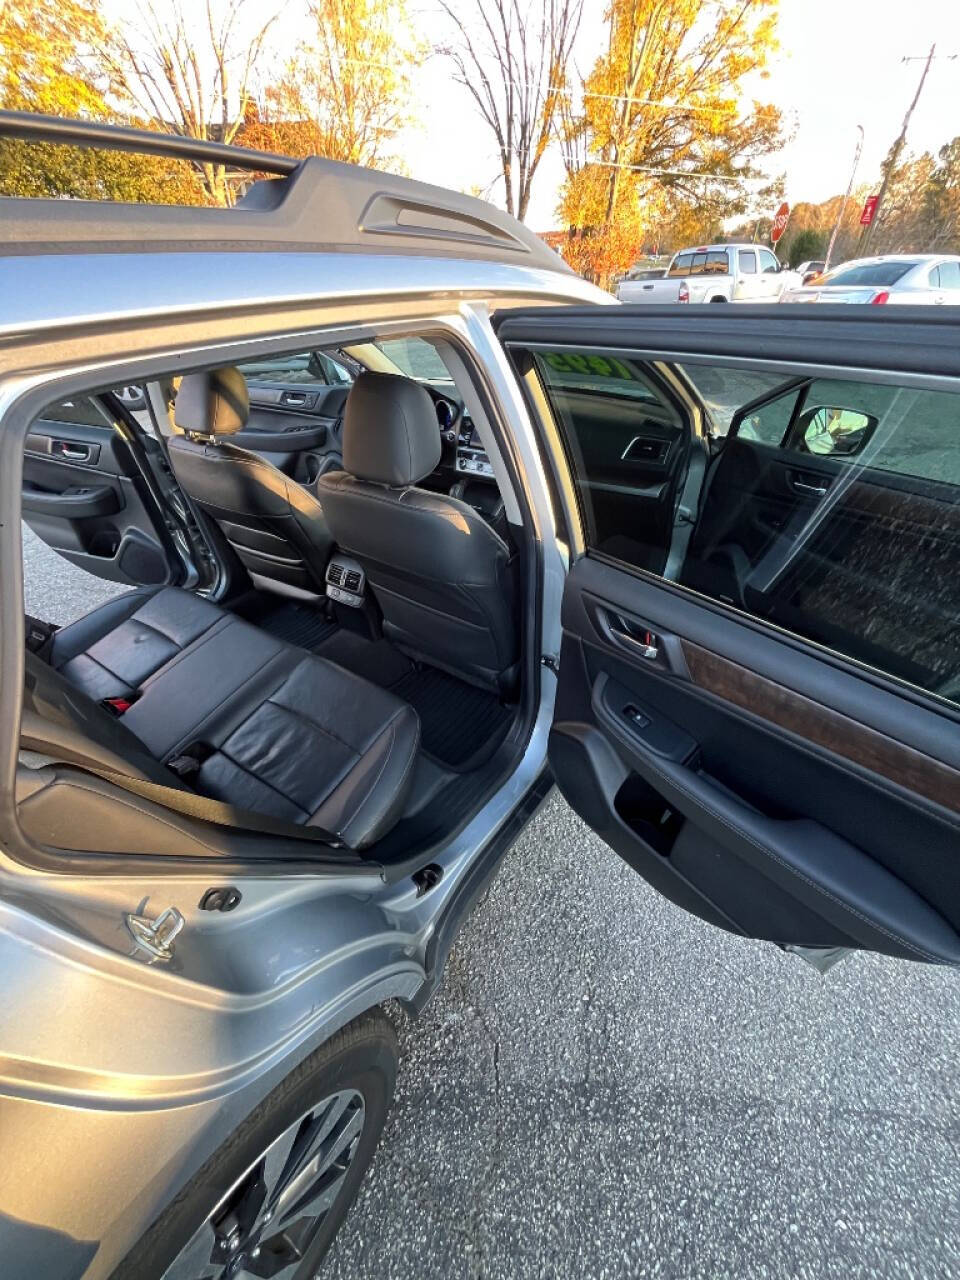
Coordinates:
column 758, row 703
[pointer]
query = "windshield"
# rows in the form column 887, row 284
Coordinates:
column 416, row 357
column 593, row 372
column 871, row 273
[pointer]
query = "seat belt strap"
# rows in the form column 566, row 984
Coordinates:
column 187, row 802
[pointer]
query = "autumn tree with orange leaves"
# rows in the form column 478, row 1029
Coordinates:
column 345, row 92
column 663, row 124
column 52, row 61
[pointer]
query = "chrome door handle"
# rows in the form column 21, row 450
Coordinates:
column 646, row 645
column 818, row 489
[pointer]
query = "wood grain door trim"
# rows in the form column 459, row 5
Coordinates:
column 824, row 727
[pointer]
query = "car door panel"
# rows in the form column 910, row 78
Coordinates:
column 296, row 428
column 84, row 495
column 759, row 780
column 791, row 788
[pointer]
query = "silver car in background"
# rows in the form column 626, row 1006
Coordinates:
column 902, row 278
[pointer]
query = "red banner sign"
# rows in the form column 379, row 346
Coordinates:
column 869, row 208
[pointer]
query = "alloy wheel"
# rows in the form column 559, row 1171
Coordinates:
column 267, row 1221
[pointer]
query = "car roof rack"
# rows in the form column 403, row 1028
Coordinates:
column 308, row 205
column 31, row 127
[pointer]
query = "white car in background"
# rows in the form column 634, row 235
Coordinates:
column 925, row 278
column 715, row 273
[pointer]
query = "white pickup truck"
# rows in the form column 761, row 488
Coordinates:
column 716, row 273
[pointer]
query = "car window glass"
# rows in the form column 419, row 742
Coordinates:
column 949, row 275
column 82, row 410
column 681, row 264
column 698, row 266
column 724, row 390
column 883, row 274
column 768, row 262
column 717, row 263
column 748, row 261
column 921, row 429
column 768, row 423
column 834, row 513
column 623, row 433
column 933, row 278
column 310, row 367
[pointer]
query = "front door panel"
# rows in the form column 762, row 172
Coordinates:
column 768, row 727
column 84, row 494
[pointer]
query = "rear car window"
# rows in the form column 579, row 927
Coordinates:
column 681, row 265
column 871, row 273
column 833, row 512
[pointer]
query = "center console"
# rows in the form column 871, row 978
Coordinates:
column 471, row 457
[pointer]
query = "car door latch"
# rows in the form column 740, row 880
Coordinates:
column 551, row 662
column 155, row 936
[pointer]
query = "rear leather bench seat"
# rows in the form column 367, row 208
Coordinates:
column 270, row 727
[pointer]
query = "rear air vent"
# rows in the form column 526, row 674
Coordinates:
column 345, row 582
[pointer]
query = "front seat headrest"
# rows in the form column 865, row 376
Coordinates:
column 213, row 403
column 390, row 430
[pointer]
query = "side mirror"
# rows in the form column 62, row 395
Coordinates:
column 831, row 432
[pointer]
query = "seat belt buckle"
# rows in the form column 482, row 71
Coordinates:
column 188, row 762
column 117, row 706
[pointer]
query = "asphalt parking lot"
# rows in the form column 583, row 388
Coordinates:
column 606, row 1087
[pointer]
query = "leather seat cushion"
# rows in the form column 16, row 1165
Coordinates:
column 112, row 651
column 324, row 747
column 278, row 730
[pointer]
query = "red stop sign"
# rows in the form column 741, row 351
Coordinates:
column 780, row 222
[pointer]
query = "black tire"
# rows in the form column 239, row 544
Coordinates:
column 364, row 1056
column 719, row 299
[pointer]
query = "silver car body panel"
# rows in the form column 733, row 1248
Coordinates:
column 145, row 1067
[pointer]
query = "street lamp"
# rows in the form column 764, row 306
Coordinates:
column 846, row 197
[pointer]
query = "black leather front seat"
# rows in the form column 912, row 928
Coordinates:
column 275, row 526
column 443, row 578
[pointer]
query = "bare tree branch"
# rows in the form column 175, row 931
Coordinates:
column 180, row 71
column 515, row 69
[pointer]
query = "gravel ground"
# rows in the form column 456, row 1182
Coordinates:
column 606, row 1087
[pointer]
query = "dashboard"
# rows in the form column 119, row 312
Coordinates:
column 467, row 455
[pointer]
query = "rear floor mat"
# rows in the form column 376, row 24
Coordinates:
column 375, row 660
column 457, row 720
column 303, row 625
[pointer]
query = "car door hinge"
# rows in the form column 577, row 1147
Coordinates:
column 155, row 936
column 551, row 662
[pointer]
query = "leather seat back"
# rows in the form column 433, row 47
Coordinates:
column 274, row 525
column 444, row 579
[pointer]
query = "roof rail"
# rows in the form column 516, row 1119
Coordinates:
column 311, row 205
column 29, row 127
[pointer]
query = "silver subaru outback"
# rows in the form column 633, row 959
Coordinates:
column 389, row 523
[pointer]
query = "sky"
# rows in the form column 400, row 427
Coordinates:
column 839, row 65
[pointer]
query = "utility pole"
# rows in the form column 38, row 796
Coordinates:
column 894, row 155
column 846, row 197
